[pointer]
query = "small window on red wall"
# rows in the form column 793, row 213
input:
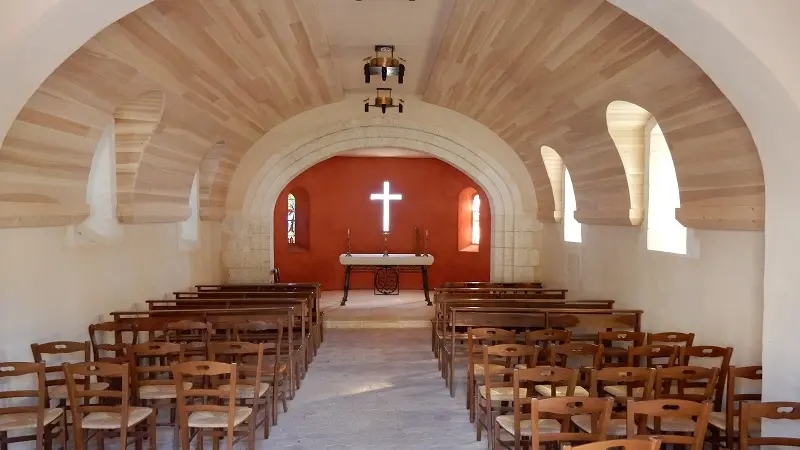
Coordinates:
column 297, row 213
column 469, row 223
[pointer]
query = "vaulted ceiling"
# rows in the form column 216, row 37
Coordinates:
column 190, row 85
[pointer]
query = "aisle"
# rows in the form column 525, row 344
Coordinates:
column 374, row 389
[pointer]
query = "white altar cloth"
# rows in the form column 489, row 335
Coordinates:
column 377, row 259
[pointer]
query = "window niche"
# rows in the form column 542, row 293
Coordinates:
column 469, row 213
column 298, row 210
column 101, row 227
column 664, row 232
column 189, row 229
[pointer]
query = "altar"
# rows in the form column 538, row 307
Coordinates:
column 387, row 268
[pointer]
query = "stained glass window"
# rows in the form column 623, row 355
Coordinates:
column 476, row 219
column 290, row 219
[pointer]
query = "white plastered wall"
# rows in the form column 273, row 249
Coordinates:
column 316, row 135
column 750, row 49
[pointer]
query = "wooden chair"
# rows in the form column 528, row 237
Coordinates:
column 550, row 421
column 476, row 338
column 112, row 414
column 722, row 422
column 565, row 355
column 642, row 413
column 622, row 383
column 193, row 334
column 498, row 361
column 672, row 382
column 618, row 355
column 289, row 365
column 523, row 386
column 203, row 409
column 699, row 355
column 274, row 371
column 755, row 411
column 117, row 345
column 249, row 385
column 47, row 423
column 671, row 338
column 151, row 377
column 653, row 355
column 547, row 337
column 61, row 350
column 619, row 444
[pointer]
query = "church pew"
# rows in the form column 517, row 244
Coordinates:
column 496, row 284
column 502, row 317
column 259, row 291
column 305, row 324
column 523, row 292
column 314, row 288
column 443, row 303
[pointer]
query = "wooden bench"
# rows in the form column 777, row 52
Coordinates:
column 509, row 292
column 313, row 288
column 495, row 284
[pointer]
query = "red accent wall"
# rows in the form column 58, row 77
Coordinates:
column 338, row 198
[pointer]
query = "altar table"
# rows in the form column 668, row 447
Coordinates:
column 377, row 262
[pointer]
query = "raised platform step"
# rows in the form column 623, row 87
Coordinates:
column 366, row 310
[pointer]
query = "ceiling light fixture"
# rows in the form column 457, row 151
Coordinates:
column 383, row 100
column 384, row 65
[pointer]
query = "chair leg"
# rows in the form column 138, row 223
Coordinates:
column 267, row 416
column 62, row 437
column 185, row 439
column 151, row 429
column 3, row 440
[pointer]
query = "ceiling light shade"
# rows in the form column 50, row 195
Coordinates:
column 385, row 64
column 383, row 100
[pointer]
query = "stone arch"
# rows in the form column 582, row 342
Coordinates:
column 513, row 255
column 135, row 123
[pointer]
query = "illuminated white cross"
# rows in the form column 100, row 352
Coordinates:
column 386, row 197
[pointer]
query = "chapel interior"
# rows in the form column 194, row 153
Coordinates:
column 386, row 224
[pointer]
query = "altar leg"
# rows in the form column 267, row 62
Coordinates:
column 425, row 285
column 347, row 270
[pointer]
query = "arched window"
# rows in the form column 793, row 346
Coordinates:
column 469, row 220
column 190, row 228
column 572, row 228
column 476, row 219
column 664, row 232
column 298, row 210
column 291, row 221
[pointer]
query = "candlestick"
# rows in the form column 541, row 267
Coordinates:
column 348, row 243
column 386, row 243
column 426, row 242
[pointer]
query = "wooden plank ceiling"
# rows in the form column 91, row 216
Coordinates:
column 542, row 73
column 194, row 83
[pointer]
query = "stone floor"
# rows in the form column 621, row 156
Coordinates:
column 374, row 389
column 364, row 309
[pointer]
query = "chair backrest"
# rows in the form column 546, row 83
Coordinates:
column 110, row 400
column 668, row 409
column 710, row 356
column 671, row 338
column 73, row 351
column 653, row 355
column 546, row 337
column 607, row 338
column 620, row 444
column 673, row 382
column 563, row 409
column 755, row 411
column 268, row 333
column 150, row 364
column 117, row 345
column 560, row 354
column 19, row 401
column 478, row 337
column 193, row 334
column 630, row 377
column 552, row 376
column 248, row 369
column 199, row 398
column 734, row 398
